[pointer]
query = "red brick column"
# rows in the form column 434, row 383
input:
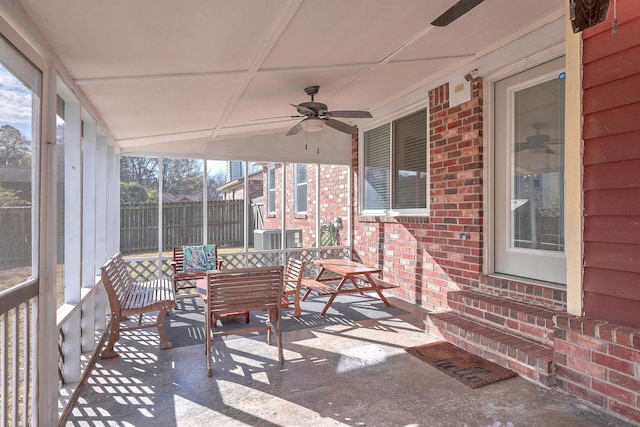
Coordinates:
column 599, row 362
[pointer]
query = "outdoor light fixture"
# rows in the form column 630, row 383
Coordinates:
column 314, row 124
column 337, row 223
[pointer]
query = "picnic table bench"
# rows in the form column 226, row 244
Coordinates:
column 127, row 298
column 347, row 271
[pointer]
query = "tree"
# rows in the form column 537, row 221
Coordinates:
column 179, row 176
column 10, row 198
column 214, row 182
column 152, row 196
column 15, row 148
column 132, row 192
column 143, row 170
column 182, row 176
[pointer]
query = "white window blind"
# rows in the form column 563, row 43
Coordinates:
column 376, row 167
column 410, row 158
column 301, row 188
column 271, row 193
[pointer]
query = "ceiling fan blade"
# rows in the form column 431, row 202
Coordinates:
column 275, row 117
column 304, row 110
column 296, row 128
column 454, row 12
column 342, row 127
column 350, row 114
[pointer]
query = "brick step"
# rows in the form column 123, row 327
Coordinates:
column 528, row 358
column 530, row 321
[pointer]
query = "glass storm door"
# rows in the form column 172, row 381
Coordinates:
column 529, row 174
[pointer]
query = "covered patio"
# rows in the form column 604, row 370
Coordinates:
column 481, row 156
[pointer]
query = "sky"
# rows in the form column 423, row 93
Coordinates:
column 15, row 103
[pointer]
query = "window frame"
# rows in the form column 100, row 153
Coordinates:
column 391, row 120
column 297, row 185
column 271, row 190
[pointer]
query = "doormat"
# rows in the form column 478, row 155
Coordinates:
column 471, row 370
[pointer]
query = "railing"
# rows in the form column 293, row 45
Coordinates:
column 18, row 317
column 147, row 268
column 80, row 330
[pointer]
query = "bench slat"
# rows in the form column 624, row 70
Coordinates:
column 318, row 287
column 383, row 283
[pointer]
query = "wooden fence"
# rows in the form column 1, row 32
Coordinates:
column 15, row 242
column 182, row 224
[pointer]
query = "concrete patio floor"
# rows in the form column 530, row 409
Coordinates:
column 343, row 373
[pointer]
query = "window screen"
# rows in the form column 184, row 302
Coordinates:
column 410, row 158
column 376, row 167
column 301, row 188
column 271, row 194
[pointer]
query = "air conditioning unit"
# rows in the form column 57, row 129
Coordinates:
column 272, row 239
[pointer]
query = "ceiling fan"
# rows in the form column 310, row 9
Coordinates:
column 317, row 114
column 538, row 142
column 455, row 12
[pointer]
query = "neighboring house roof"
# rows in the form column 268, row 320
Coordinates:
column 176, row 198
column 255, row 176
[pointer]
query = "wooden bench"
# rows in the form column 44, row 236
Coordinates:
column 318, row 287
column 179, row 275
column 128, row 298
column 383, row 284
column 240, row 290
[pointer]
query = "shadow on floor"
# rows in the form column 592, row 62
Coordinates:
column 346, row 369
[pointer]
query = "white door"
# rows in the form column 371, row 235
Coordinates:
column 529, row 174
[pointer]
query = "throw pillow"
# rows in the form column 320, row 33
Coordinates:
column 198, row 259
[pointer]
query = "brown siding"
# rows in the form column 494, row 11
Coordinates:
column 611, row 133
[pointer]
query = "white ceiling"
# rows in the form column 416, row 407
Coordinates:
column 162, row 71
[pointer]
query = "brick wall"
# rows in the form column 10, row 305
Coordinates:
column 599, row 362
column 334, row 193
column 426, row 256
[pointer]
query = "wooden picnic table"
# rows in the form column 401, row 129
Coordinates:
column 349, row 272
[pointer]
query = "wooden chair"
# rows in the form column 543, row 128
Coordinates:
column 179, row 275
column 292, row 283
column 239, row 290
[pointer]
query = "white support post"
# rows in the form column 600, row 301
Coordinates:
column 101, row 202
column 317, row 192
column 247, row 207
column 111, row 194
column 205, row 202
column 72, row 239
column 46, row 375
column 73, row 203
column 283, row 208
column 89, row 205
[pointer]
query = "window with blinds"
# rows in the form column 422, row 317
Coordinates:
column 395, row 166
column 301, row 188
column 377, row 143
column 271, row 190
column 410, row 162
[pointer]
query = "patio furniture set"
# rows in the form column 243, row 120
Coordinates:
column 229, row 292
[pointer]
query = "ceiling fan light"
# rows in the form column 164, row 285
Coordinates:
column 314, row 124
